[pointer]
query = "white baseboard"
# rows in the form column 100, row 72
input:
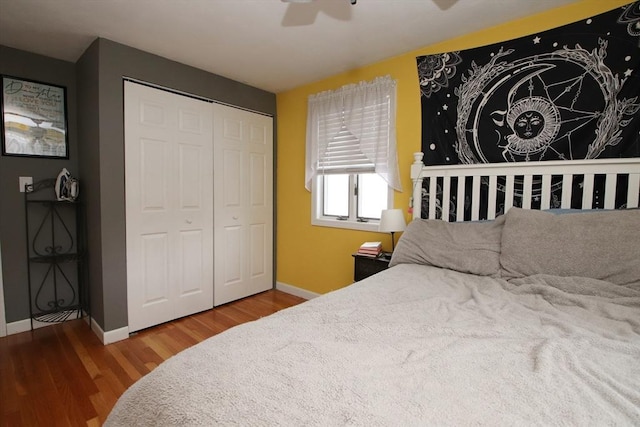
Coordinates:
column 293, row 290
column 109, row 336
column 24, row 325
column 19, row 326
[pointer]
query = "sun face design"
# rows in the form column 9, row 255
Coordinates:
column 559, row 105
column 535, row 122
column 529, row 124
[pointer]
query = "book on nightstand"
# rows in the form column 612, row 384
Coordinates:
column 372, row 249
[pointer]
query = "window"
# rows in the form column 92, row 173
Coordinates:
column 370, row 196
column 350, row 200
column 351, row 166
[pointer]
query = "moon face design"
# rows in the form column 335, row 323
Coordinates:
column 569, row 93
column 560, row 105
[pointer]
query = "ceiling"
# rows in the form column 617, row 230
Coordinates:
column 268, row 44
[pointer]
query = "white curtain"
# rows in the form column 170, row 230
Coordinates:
column 353, row 130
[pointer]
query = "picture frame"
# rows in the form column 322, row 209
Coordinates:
column 34, row 119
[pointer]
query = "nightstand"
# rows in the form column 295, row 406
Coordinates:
column 366, row 266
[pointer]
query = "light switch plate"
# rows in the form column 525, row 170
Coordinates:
column 25, row 180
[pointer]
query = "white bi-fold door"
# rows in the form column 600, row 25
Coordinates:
column 182, row 157
column 169, row 205
column 243, row 194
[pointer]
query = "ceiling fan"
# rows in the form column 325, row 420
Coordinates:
column 304, row 12
column 442, row 4
column 309, row 1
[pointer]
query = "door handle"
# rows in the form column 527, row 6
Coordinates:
column 188, row 221
column 235, row 217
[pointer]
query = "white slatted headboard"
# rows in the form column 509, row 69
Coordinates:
column 530, row 182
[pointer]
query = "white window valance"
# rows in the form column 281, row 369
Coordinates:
column 352, row 130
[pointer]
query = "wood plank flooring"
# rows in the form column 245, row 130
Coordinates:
column 62, row 375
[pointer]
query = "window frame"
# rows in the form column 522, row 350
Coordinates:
column 317, row 212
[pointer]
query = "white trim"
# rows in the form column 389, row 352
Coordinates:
column 19, row 326
column 350, row 225
column 192, row 95
column 109, row 336
column 600, row 166
column 3, row 319
column 24, row 325
column 293, row 290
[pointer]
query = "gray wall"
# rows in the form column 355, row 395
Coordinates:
column 89, row 164
column 30, row 66
column 100, row 78
column 96, row 138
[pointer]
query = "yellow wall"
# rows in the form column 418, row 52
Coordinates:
column 319, row 259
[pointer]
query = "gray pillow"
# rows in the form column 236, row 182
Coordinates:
column 601, row 245
column 468, row 247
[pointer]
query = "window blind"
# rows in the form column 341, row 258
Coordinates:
column 352, row 130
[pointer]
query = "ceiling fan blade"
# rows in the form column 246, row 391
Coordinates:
column 298, row 14
column 444, row 4
column 309, row 1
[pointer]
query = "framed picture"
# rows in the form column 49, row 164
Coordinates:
column 34, row 119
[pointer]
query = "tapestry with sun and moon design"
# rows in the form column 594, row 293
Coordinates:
column 569, row 93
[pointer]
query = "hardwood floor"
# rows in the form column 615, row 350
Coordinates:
column 63, row 375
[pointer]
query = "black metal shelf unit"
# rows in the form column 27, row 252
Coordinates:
column 56, row 255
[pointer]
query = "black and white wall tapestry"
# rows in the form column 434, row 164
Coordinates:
column 569, row 93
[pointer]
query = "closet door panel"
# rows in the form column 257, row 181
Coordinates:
column 231, row 176
column 257, row 171
column 232, row 256
column 169, row 205
column 191, row 263
column 153, row 166
column 190, row 173
column 243, row 192
column 258, row 257
column 154, row 279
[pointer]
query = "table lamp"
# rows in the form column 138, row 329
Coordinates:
column 392, row 220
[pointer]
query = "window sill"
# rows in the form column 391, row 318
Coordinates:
column 350, row 225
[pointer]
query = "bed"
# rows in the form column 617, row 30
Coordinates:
column 515, row 314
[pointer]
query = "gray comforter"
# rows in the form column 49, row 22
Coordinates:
column 414, row 345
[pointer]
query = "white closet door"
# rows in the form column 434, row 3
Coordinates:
column 169, row 205
column 243, row 192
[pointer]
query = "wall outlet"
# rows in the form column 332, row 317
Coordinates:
column 25, row 180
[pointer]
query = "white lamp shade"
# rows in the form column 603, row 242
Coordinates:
column 392, row 220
